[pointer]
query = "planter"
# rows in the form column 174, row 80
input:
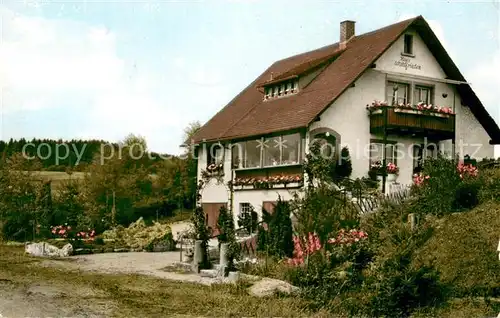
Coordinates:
column 391, row 177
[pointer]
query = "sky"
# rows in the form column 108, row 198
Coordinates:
column 104, row 69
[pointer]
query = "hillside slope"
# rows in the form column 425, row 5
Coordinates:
column 464, row 249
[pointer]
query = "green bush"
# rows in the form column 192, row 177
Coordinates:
column 400, row 291
column 323, row 210
column 276, row 239
column 227, row 234
column 490, row 185
column 444, row 189
column 466, row 195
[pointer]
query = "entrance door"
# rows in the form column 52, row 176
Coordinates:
column 212, row 211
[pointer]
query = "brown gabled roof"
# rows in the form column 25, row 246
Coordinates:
column 249, row 115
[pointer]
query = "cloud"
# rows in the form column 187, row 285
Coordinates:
column 46, row 64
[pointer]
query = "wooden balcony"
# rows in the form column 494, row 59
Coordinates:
column 413, row 122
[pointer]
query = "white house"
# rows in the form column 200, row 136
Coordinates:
column 263, row 134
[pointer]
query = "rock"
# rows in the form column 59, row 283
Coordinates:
column 108, row 250
column 46, row 250
column 67, row 250
column 164, row 246
column 212, row 273
column 268, row 287
column 121, row 250
column 233, row 277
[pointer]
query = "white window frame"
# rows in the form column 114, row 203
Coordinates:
column 419, row 88
column 243, row 161
column 392, row 145
column 395, row 94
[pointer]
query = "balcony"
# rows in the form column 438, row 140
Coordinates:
column 408, row 120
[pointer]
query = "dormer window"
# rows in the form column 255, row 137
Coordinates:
column 281, row 89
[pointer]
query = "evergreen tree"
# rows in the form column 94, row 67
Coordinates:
column 278, row 239
column 344, row 168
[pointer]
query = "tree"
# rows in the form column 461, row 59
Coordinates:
column 344, row 168
column 25, row 205
column 278, row 239
column 190, row 131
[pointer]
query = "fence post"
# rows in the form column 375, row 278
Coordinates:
column 412, row 220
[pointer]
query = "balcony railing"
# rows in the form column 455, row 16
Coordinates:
column 406, row 120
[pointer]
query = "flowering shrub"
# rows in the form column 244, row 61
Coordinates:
column 467, row 170
column 419, row 179
column 303, row 248
column 312, row 244
column 445, row 187
column 348, row 237
column 68, row 232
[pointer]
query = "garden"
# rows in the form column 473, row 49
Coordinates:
column 379, row 265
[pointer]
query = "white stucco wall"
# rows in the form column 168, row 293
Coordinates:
column 422, row 57
column 469, row 132
column 471, row 137
column 214, row 192
column 348, row 116
column 257, row 197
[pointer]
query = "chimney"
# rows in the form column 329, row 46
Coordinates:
column 346, row 32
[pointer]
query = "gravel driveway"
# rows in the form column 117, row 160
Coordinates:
column 130, row 263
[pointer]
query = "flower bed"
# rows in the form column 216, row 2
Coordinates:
column 421, row 107
column 268, row 182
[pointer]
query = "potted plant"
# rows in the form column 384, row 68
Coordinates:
column 392, row 172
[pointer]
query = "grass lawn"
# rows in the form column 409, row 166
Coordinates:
column 132, row 295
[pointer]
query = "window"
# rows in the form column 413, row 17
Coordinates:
column 398, row 93
column 408, row 44
column 269, row 92
column 215, row 154
column 267, row 152
column 272, row 152
column 245, row 208
column 281, row 89
column 376, row 152
column 290, row 149
column 251, row 157
column 422, row 94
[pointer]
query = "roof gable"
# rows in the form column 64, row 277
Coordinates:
column 469, row 98
column 249, row 115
